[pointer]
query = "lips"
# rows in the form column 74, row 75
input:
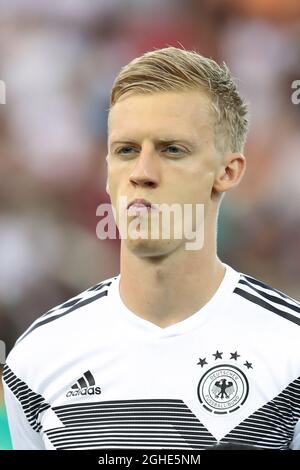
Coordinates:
column 139, row 203
column 140, row 207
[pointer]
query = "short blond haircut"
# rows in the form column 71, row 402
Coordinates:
column 174, row 69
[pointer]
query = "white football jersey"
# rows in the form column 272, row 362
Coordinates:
column 91, row 374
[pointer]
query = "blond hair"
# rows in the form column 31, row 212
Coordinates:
column 174, row 69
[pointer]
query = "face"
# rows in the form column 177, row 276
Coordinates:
column 160, row 148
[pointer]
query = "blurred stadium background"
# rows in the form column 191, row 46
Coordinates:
column 58, row 60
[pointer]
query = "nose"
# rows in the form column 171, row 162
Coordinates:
column 146, row 172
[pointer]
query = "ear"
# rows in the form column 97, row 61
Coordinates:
column 230, row 172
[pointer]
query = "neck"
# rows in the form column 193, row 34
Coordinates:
column 165, row 290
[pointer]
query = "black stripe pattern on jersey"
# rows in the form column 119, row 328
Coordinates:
column 171, row 424
column 271, row 299
column 32, row 403
column 75, row 300
column 273, row 425
column 157, row 423
column 85, row 298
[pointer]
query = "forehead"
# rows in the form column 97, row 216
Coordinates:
column 159, row 113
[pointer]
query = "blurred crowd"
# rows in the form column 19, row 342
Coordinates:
column 58, row 60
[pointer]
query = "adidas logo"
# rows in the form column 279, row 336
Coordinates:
column 84, row 386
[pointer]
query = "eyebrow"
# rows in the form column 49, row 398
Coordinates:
column 168, row 140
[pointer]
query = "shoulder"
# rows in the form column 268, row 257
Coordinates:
column 58, row 324
column 258, row 294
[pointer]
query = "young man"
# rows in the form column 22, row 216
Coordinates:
column 179, row 350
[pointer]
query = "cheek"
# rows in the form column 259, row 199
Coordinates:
column 117, row 180
column 194, row 184
column 111, row 188
column 113, row 178
column 203, row 175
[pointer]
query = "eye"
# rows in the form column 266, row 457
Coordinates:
column 126, row 150
column 173, row 150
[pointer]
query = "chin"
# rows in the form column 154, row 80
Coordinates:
column 151, row 248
